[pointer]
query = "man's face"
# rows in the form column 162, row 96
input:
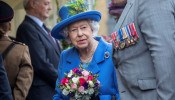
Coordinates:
column 119, row 2
column 42, row 8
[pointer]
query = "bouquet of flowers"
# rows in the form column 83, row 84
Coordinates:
column 80, row 84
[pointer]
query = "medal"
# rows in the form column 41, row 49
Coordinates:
column 117, row 37
column 122, row 41
column 122, row 45
column 114, row 39
column 124, row 33
column 125, row 36
column 120, row 33
column 130, row 34
column 134, row 32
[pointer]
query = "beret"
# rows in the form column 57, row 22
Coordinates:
column 6, row 12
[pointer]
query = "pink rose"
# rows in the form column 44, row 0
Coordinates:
column 90, row 78
column 64, row 81
column 75, row 69
column 81, row 89
column 85, row 77
column 85, row 73
column 82, row 81
column 74, row 86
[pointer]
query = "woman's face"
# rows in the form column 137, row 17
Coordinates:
column 80, row 34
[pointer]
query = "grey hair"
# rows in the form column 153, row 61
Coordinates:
column 26, row 3
column 93, row 24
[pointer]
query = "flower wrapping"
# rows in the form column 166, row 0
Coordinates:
column 80, row 84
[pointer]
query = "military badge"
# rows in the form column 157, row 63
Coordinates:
column 125, row 36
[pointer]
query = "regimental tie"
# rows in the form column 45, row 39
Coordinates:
column 48, row 31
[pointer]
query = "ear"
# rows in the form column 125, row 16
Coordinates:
column 32, row 3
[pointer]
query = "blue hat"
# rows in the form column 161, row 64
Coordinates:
column 6, row 12
column 72, row 12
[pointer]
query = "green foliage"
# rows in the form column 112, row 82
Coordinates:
column 58, row 8
column 77, row 7
column 65, row 44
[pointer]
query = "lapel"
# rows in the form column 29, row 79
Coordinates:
column 42, row 33
column 93, row 67
column 124, row 14
column 98, row 56
column 73, row 60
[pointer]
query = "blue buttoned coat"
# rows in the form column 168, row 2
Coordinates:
column 101, row 64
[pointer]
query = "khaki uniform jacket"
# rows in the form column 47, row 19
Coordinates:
column 18, row 66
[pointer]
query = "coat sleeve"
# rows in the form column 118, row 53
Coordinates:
column 115, row 96
column 5, row 90
column 41, row 64
column 25, row 76
column 158, row 28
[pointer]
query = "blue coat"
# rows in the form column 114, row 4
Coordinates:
column 99, row 65
column 5, row 90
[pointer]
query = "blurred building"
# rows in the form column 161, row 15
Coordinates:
column 106, row 23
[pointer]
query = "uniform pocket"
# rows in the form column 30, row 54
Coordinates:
column 147, row 84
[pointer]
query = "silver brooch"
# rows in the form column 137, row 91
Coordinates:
column 106, row 54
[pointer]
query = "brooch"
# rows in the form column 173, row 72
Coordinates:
column 106, row 55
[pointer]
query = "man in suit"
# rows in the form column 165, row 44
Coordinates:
column 145, row 57
column 5, row 90
column 44, row 50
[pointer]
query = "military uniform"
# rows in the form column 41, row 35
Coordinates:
column 18, row 66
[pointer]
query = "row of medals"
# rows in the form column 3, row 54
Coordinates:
column 125, row 36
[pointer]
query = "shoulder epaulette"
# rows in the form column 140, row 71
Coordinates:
column 16, row 42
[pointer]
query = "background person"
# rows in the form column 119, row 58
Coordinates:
column 92, row 52
column 146, row 70
column 5, row 90
column 44, row 49
column 116, row 8
column 15, row 55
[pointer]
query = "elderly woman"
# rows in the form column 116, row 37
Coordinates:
column 92, row 52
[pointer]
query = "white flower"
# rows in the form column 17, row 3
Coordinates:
column 75, row 79
column 77, row 96
column 70, row 73
column 91, row 83
column 65, row 92
column 85, row 92
column 91, row 91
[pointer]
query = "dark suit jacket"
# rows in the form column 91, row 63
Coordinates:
column 5, row 90
column 44, row 56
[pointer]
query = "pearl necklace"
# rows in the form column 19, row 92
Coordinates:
column 89, row 58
